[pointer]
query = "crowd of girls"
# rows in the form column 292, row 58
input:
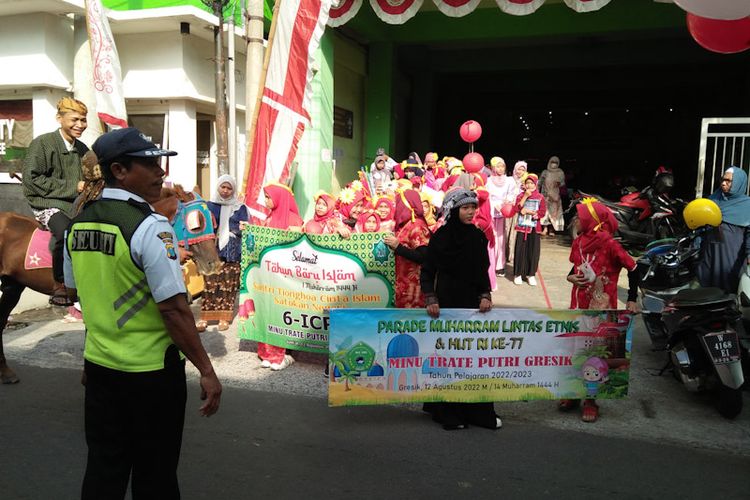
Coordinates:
column 452, row 233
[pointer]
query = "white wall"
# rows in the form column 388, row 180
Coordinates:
column 183, row 139
column 36, row 51
column 44, row 108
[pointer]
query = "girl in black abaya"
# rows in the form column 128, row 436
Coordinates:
column 454, row 274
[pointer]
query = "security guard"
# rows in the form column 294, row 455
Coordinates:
column 120, row 259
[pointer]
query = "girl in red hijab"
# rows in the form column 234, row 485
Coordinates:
column 284, row 212
column 368, row 222
column 351, row 204
column 597, row 260
column 284, row 215
column 325, row 219
column 483, row 220
column 386, row 208
column 530, row 207
column 409, row 245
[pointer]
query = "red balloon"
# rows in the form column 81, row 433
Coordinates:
column 717, row 35
column 473, row 162
column 471, row 131
column 507, row 210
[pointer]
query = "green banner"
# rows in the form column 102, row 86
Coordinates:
column 290, row 281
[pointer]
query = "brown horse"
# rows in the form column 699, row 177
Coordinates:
column 15, row 234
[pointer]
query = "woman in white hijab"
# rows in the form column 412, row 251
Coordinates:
column 550, row 182
column 220, row 292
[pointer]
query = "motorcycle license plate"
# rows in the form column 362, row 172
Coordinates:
column 723, row 347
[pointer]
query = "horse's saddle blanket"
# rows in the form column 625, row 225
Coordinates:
column 38, row 255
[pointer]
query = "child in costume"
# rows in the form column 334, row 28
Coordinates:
column 325, row 219
column 284, row 215
column 597, row 260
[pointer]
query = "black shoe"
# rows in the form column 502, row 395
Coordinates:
column 500, row 274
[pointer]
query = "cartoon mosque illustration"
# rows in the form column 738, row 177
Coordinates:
column 402, row 366
column 403, row 362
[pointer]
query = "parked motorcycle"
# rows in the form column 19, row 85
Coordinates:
column 696, row 326
column 643, row 216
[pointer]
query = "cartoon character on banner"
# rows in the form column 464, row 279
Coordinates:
column 595, row 372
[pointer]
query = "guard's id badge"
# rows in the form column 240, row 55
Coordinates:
column 166, row 238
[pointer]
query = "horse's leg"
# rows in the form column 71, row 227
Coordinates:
column 11, row 293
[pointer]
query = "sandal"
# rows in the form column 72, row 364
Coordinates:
column 568, row 404
column 223, row 325
column 60, row 300
column 201, row 325
column 590, row 411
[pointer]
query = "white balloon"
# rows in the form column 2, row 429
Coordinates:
column 717, row 9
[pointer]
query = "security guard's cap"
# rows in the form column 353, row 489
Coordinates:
column 126, row 142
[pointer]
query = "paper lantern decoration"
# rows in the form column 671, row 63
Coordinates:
column 470, row 131
column 519, row 7
column 473, row 162
column 716, row 35
column 728, row 10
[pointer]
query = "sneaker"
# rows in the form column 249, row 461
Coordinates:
column 498, row 422
column 500, row 273
column 532, row 281
column 265, row 364
column 518, row 280
column 288, row 360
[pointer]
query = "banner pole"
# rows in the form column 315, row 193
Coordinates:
column 256, row 111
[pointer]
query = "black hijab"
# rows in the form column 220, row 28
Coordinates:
column 460, row 249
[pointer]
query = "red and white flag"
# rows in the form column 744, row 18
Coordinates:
column 107, row 76
column 285, row 104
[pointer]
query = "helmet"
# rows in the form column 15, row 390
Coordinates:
column 702, row 212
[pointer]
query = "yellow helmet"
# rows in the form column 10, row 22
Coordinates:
column 702, row 212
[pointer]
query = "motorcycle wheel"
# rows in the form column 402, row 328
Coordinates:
column 573, row 228
column 729, row 403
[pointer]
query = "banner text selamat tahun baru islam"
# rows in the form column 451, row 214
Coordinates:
column 290, row 281
column 404, row 356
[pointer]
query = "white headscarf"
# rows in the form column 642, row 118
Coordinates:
column 228, row 207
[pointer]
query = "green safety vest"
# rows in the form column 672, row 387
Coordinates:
column 125, row 330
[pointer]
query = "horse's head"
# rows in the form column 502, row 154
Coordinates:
column 193, row 225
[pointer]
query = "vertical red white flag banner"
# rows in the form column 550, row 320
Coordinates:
column 586, row 5
column 456, row 8
column 519, row 7
column 285, row 103
column 107, row 76
column 344, row 11
column 396, row 11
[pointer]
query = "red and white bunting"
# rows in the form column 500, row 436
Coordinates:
column 343, row 12
column 519, row 7
column 395, row 11
column 456, row 8
column 107, row 77
column 586, row 5
column 285, row 104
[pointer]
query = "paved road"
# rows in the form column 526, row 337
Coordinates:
column 264, row 445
